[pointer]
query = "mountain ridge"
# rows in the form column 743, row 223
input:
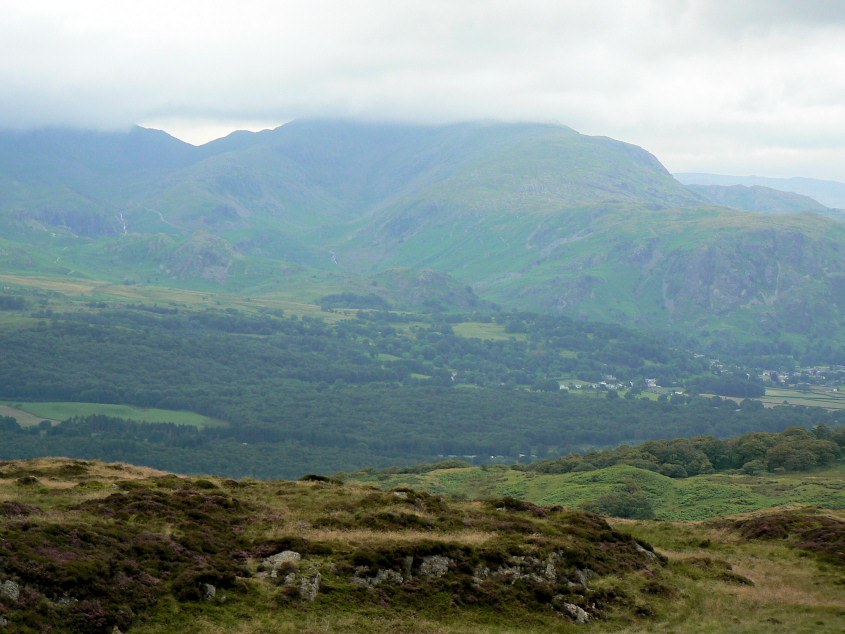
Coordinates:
column 528, row 215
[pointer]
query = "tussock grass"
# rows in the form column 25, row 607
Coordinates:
column 711, row 577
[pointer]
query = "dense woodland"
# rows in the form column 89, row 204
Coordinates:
column 302, row 394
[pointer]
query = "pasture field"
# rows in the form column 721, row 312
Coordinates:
column 812, row 397
column 35, row 412
column 75, row 290
column 481, row 330
column 24, row 418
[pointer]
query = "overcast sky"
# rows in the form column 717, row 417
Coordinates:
column 725, row 86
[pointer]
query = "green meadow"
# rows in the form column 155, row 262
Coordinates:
column 63, row 411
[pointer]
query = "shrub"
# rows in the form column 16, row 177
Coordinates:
column 634, row 505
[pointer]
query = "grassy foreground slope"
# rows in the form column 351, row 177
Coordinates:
column 695, row 498
column 90, row 546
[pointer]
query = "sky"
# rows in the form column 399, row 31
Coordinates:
column 725, row 86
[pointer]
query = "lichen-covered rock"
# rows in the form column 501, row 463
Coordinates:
column 578, row 614
column 10, row 590
column 381, row 576
column 645, row 551
column 522, row 568
column 519, row 567
column 66, row 600
column 274, row 562
column 480, row 573
column 584, row 576
column 434, row 566
column 209, row 592
column 309, row 587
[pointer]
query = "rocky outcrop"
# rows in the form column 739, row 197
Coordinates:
column 309, row 586
column 10, row 590
column 434, row 566
column 578, row 614
column 381, row 576
column 209, row 592
column 284, row 561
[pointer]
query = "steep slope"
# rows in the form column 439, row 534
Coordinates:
column 82, row 180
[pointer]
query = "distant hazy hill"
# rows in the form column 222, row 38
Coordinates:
column 762, row 199
column 828, row 193
column 529, row 215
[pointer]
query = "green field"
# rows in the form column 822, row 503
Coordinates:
column 62, row 411
column 479, row 330
column 677, row 499
column 812, row 397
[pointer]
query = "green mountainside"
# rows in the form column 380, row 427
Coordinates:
column 528, row 216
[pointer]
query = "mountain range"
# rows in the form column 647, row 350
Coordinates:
column 827, row 192
column 529, row 216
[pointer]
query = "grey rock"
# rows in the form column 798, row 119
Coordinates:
column 66, row 600
column 530, row 568
column 407, row 564
column 3, row 621
column 290, row 578
column 584, row 577
column 577, row 613
column 209, row 592
column 434, row 566
column 10, row 590
column 381, row 576
column 551, row 566
column 402, row 495
column 647, row 552
column 309, row 587
column 274, row 562
column 480, row 574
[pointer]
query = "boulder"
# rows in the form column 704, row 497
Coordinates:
column 381, row 576
column 647, row 552
column 578, row 614
column 434, row 566
column 309, row 587
column 584, row 576
column 10, row 590
column 274, row 562
column 209, row 592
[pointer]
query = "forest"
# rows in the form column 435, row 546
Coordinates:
column 373, row 389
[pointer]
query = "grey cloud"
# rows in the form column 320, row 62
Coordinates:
column 763, row 74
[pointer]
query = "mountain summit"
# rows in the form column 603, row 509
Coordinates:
column 533, row 216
